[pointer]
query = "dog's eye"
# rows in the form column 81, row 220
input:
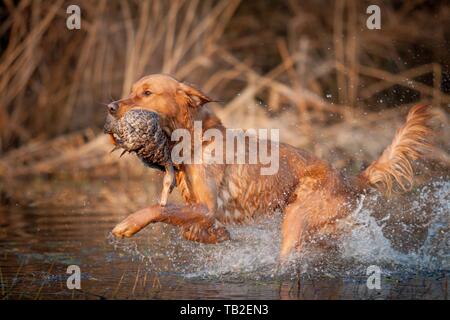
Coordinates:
column 147, row 93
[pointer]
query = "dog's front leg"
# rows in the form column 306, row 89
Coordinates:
column 196, row 224
column 171, row 214
column 197, row 219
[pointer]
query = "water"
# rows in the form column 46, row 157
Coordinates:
column 406, row 237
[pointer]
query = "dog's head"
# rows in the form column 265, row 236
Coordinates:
column 175, row 102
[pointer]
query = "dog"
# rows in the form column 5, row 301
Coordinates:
column 311, row 194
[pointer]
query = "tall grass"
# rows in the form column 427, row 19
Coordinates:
column 54, row 80
column 308, row 61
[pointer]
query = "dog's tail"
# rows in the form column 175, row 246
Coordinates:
column 392, row 172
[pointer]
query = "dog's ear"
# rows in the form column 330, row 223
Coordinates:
column 196, row 97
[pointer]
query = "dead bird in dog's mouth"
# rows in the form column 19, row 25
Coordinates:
column 138, row 131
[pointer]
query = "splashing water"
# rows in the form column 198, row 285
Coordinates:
column 403, row 235
column 368, row 243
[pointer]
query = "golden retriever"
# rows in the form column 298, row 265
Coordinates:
column 309, row 192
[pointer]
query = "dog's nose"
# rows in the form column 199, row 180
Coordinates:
column 113, row 107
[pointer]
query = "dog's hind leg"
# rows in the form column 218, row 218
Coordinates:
column 311, row 211
column 195, row 220
column 292, row 230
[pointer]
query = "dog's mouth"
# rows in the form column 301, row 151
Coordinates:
column 113, row 137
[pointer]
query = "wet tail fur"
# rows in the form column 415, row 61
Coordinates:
column 393, row 172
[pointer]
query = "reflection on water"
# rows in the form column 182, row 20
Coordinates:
column 408, row 238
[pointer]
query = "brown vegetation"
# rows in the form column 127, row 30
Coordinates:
column 311, row 69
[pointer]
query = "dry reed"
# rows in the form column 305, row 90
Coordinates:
column 324, row 68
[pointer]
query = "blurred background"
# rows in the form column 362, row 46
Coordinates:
column 310, row 68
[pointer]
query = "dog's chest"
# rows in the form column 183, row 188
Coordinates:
column 241, row 193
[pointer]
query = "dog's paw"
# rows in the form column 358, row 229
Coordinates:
column 126, row 228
